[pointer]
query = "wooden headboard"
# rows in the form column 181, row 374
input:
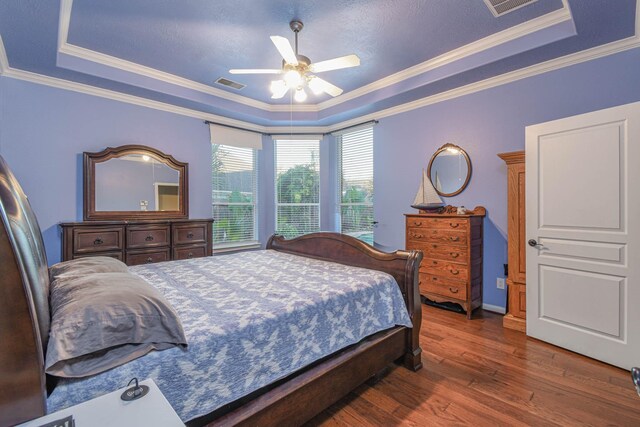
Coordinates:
column 24, row 317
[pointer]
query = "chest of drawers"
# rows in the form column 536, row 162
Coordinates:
column 138, row 242
column 451, row 270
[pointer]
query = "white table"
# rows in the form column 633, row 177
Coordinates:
column 111, row 411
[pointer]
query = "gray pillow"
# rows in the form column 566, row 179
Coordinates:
column 88, row 265
column 102, row 320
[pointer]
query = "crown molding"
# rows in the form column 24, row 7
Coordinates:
column 534, row 70
column 131, row 67
column 512, row 157
column 123, row 97
column 64, row 21
column 553, row 18
column 551, row 65
column 4, row 62
column 64, row 47
column 156, row 105
column 526, row 28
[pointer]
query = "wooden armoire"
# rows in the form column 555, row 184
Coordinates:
column 516, row 280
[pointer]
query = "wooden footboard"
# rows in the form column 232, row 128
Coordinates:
column 343, row 249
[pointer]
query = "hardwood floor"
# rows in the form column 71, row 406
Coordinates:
column 478, row 373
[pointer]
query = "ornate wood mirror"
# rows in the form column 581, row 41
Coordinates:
column 134, row 182
column 449, row 170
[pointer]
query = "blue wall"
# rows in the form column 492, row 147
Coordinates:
column 43, row 132
column 485, row 124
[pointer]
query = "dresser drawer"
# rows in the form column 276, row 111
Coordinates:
column 97, row 239
column 457, row 254
column 148, row 256
column 451, row 237
column 147, row 236
column 443, row 223
column 442, row 286
column 116, row 255
column 188, row 252
column 445, row 269
column 186, row 234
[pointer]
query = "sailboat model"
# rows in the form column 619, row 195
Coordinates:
column 427, row 197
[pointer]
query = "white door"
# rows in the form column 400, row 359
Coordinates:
column 583, row 211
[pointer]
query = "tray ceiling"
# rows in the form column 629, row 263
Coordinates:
column 173, row 51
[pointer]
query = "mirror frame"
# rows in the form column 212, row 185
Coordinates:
column 89, row 192
column 466, row 157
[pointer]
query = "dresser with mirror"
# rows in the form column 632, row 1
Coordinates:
column 136, row 209
column 450, row 237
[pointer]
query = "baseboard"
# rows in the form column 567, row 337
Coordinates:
column 494, row 308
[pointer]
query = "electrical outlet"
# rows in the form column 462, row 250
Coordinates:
column 500, row 282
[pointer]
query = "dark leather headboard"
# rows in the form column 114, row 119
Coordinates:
column 24, row 305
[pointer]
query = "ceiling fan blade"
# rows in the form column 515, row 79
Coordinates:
column 255, row 71
column 335, row 63
column 285, row 49
column 318, row 85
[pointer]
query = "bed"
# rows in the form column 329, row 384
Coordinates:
column 315, row 382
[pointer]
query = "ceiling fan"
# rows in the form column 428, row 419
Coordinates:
column 296, row 69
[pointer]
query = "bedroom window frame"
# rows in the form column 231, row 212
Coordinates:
column 296, row 139
column 359, row 139
column 251, row 243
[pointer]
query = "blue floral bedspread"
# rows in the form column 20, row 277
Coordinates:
column 250, row 319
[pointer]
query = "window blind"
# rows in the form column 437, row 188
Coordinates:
column 355, row 183
column 234, row 196
column 235, row 137
column 297, row 166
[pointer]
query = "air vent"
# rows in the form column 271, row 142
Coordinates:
column 500, row 7
column 230, row 83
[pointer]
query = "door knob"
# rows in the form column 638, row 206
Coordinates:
column 532, row 243
column 635, row 375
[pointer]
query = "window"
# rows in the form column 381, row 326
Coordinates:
column 234, row 196
column 297, row 165
column 355, row 183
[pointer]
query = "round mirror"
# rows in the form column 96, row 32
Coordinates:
column 449, row 170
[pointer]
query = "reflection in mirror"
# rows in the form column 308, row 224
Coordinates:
column 136, row 182
column 449, row 170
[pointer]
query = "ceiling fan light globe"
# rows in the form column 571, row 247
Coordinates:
column 278, row 89
column 315, row 86
column 277, row 86
column 293, row 78
column 300, row 95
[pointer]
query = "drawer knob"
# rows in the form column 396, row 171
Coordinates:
column 190, row 235
column 149, row 260
column 455, row 239
column 454, row 254
column 190, row 255
column 455, row 272
column 149, row 238
column 453, row 290
column 434, row 246
column 435, row 279
column 418, row 223
column 98, row 241
column 453, row 225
